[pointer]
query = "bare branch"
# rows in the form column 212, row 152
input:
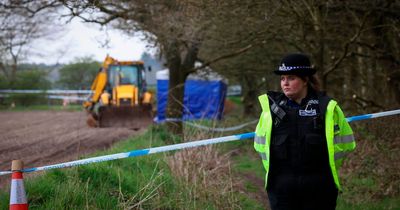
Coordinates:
column 222, row 57
column 346, row 47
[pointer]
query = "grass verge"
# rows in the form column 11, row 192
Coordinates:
column 136, row 183
column 224, row 176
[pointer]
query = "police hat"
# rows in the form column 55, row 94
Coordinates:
column 297, row 64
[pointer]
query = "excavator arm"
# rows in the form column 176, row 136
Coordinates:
column 97, row 87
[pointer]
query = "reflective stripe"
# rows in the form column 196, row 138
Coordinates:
column 343, row 139
column 341, row 155
column 17, row 195
column 263, row 155
column 259, row 139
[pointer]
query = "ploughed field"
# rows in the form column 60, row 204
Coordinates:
column 48, row 137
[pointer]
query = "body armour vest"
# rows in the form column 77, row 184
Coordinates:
column 298, row 142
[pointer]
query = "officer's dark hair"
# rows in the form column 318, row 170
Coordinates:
column 313, row 82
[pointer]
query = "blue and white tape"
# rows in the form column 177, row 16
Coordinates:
column 221, row 129
column 375, row 115
column 237, row 127
column 72, row 98
column 55, row 94
column 48, row 91
column 143, row 152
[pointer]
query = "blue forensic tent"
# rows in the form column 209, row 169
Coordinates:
column 203, row 98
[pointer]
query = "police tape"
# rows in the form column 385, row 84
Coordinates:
column 71, row 98
column 349, row 119
column 5, row 93
column 237, row 127
column 221, row 129
column 374, row 115
column 142, row 152
column 48, row 91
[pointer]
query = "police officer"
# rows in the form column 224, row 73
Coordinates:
column 302, row 137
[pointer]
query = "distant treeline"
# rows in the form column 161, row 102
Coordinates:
column 353, row 44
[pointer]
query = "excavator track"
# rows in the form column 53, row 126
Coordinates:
column 124, row 116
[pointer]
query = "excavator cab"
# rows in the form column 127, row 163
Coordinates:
column 126, row 83
column 120, row 75
column 120, row 98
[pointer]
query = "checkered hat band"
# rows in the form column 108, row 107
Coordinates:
column 288, row 68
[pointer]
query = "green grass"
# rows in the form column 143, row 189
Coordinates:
column 110, row 185
column 236, row 99
column 148, row 182
column 248, row 162
column 143, row 182
column 358, row 195
column 384, row 204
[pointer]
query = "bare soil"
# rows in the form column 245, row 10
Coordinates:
column 47, row 137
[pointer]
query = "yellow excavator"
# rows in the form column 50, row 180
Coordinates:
column 119, row 97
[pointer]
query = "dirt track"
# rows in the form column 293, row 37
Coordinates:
column 47, row 137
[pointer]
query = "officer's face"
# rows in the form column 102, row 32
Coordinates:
column 293, row 86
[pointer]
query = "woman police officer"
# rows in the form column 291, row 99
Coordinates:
column 302, row 137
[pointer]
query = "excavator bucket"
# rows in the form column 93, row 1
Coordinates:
column 119, row 97
column 125, row 116
column 92, row 121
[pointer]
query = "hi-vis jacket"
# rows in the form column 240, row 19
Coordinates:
column 339, row 136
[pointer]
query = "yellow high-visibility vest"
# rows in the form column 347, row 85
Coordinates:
column 339, row 136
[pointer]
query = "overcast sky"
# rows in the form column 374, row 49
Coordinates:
column 79, row 39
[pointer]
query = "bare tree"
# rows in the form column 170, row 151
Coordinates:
column 176, row 27
column 20, row 26
column 347, row 41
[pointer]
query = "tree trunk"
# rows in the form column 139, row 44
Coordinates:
column 175, row 100
column 4, row 70
column 13, row 73
column 249, row 95
column 178, row 71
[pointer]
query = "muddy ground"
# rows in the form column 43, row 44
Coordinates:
column 47, row 137
column 41, row 138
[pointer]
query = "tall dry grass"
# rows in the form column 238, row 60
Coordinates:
column 206, row 173
column 149, row 191
column 372, row 172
